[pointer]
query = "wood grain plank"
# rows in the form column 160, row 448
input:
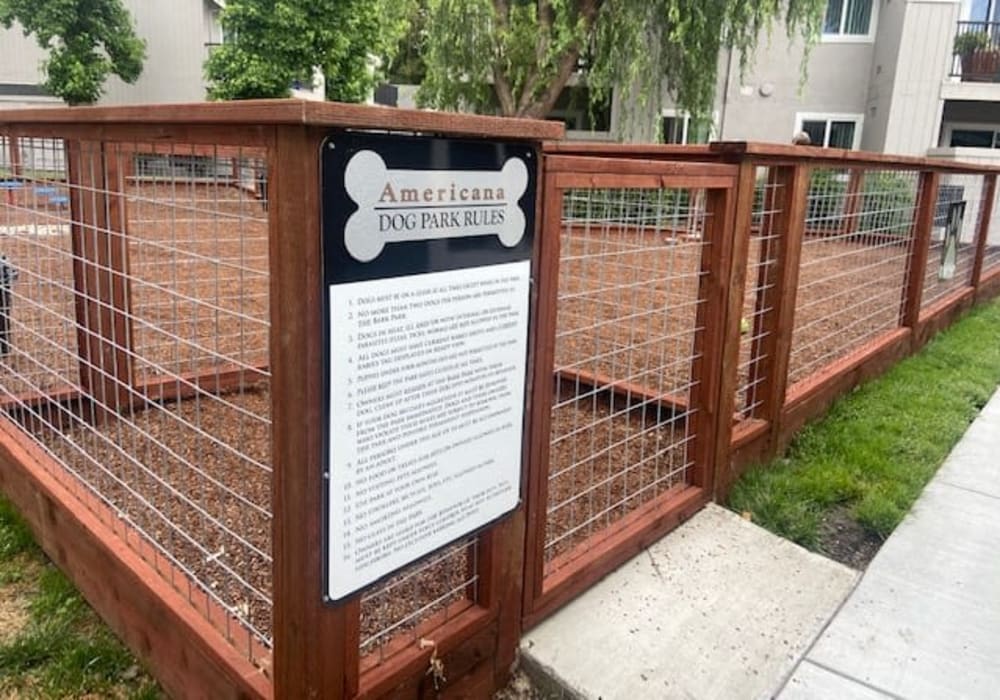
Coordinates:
column 630, row 393
column 852, row 202
column 294, row 112
column 986, row 200
column 315, row 645
column 941, row 314
column 100, row 279
column 709, row 377
column 700, row 152
column 734, row 214
column 916, row 264
column 544, row 339
column 989, row 286
column 813, row 156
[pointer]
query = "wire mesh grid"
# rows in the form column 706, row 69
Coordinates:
column 859, row 229
column 761, row 260
column 198, row 258
column 952, row 251
column 991, row 254
column 168, row 433
column 36, row 276
column 629, row 291
column 424, row 595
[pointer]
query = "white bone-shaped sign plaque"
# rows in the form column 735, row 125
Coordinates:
column 418, row 205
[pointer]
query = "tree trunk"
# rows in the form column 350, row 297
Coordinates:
column 527, row 105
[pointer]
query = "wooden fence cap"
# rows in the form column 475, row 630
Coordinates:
column 308, row 113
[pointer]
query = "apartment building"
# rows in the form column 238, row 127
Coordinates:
column 883, row 77
column 179, row 35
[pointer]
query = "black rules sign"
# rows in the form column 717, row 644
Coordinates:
column 427, row 263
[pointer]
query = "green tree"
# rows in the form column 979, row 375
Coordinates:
column 87, row 40
column 271, row 45
column 516, row 56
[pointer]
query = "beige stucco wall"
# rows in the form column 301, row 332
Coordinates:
column 762, row 104
column 912, row 62
column 20, row 57
column 176, row 34
column 892, row 81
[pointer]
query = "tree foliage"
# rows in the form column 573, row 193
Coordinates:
column 518, row 55
column 87, row 40
column 272, row 44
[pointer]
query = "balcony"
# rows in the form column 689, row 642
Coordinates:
column 977, row 52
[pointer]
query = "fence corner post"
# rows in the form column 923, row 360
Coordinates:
column 315, row 645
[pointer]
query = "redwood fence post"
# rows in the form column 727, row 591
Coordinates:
column 100, row 277
column 775, row 311
column 542, row 382
column 983, row 226
column 14, row 148
column 316, row 646
column 852, row 202
column 916, row 266
column 738, row 227
column 719, row 292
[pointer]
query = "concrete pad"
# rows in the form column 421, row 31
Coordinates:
column 974, row 464
column 812, row 682
column 720, row 608
column 924, row 621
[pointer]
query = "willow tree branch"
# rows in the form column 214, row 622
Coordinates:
column 501, row 85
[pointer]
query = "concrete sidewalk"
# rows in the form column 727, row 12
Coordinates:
column 924, row 622
column 720, row 608
column 724, row 609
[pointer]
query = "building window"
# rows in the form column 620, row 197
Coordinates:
column 573, row 109
column 981, row 10
column 973, row 136
column 831, row 130
column 849, row 19
column 679, row 128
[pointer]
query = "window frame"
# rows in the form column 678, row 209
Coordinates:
column 672, row 112
column 841, row 38
column 857, row 118
column 949, row 127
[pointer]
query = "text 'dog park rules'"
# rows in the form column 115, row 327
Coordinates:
column 427, row 259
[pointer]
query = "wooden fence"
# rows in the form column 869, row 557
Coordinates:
column 161, row 337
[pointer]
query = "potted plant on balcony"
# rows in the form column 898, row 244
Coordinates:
column 980, row 60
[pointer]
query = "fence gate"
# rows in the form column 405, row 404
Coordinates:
column 637, row 264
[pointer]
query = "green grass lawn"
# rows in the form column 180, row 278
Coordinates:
column 871, row 455
column 52, row 645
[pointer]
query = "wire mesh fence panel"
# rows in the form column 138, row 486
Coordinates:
column 859, row 229
column 953, row 236
column 403, row 609
column 754, row 330
column 167, row 441
column 629, row 273
column 991, row 254
column 38, row 334
column 198, row 255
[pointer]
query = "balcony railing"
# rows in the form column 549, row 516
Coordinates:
column 977, row 52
